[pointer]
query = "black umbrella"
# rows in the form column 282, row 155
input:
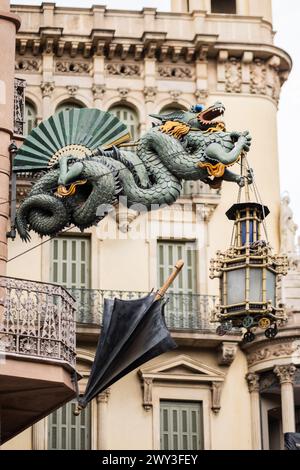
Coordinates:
column 133, row 332
column 292, row 440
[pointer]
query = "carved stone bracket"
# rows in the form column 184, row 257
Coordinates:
column 216, row 389
column 98, row 91
column 147, row 393
column 285, row 373
column 47, row 88
column 204, row 211
column 150, row 93
column 104, row 396
column 227, row 352
column 253, row 382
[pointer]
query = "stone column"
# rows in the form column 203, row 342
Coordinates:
column 285, row 374
column 40, row 435
column 9, row 23
column 102, row 418
column 253, row 386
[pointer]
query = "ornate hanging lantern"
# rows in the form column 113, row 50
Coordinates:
column 249, row 275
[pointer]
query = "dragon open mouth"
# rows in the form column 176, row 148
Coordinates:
column 210, row 115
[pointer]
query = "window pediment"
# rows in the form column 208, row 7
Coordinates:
column 181, row 369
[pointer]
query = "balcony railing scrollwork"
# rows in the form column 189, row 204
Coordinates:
column 182, row 311
column 37, row 320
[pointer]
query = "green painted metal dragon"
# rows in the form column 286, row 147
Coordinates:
column 84, row 165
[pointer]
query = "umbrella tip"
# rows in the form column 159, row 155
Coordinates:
column 77, row 410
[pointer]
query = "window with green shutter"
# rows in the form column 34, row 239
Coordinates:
column 181, row 425
column 69, row 432
column 70, row 265
column 182, row 308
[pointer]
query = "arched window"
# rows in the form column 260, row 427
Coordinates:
column 129, row 117
column 223, row 6
column 170, row 108
column 30, row 118
column 67, row 105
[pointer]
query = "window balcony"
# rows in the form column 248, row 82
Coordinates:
column 182, row 311
column 37, row 352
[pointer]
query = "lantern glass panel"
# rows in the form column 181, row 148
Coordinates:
column 236, row 286
column 271, row 287
column 256, row 292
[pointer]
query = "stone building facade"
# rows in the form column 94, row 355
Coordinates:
column 212, row 392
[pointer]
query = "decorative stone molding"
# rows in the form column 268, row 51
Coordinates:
column 19, row 105
column 150, row 93
column 175, row 94
column 175, row 71
column 275, row 350
column 249, row 74
column 185, row 370
column 253, row 382
column 227, row 352
column 124, row 70
column 233, row 76
column 76, row 67
column 72, row 89
column 104, row 396
column 147, row 394
column 216, row 389
column 47, row 88
column 205, row 211
column 285, row 373
column 124, row 218
column 27, row 65
column 123, row 93
column 98, row 91
column 258, row 73
column 201, row 95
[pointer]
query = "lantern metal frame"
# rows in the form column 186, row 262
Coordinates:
column 247, row 253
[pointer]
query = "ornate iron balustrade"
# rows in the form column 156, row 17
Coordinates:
column 183, row 311
column 37, row 320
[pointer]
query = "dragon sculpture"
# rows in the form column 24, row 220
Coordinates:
column 83, row 168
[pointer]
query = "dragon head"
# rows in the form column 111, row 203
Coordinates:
column 208, row 118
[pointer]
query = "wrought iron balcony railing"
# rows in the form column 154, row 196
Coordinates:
column 37, row 320
column 183, row 311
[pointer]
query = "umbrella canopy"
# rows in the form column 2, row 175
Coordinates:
column 292, row 440
column 133, row 332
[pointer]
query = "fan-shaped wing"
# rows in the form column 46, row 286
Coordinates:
column 81, row 130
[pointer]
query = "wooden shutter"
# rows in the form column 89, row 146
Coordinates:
column 71, row 262
column 181, row 425
column 182, row 309
column 70, row 432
